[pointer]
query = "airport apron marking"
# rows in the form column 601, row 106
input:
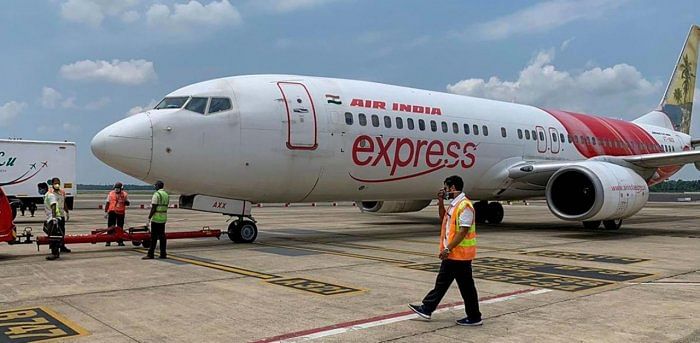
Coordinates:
column 585, row 257
column 518, row 277
column 558, row 269
column 314, row 286
column 341, row 253
column 36, row 324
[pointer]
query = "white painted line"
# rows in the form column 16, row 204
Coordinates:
column 387, row 321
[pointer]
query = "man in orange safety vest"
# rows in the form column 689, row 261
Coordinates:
column 115, row 207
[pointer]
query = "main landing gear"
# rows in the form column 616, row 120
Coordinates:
column 614, row 224
column 488, row 212
column 243, row 230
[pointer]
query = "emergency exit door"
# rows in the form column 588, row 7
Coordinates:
column 301, row 116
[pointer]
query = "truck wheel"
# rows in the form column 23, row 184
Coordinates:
column 243, row 232
column 136, row 243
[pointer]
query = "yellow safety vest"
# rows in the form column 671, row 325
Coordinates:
column 161, row 215
column 466, row 250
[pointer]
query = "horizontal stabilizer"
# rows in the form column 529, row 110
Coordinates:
column 664, row 159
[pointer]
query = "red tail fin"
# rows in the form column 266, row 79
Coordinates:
column 7, row 227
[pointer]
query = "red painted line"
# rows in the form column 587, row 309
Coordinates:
column 377, row 318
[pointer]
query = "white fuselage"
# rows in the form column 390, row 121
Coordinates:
column 301, row 139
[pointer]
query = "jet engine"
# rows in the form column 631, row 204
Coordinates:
column 593, row 190
column 393, row 206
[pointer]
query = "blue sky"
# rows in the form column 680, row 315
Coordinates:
column 72, row 67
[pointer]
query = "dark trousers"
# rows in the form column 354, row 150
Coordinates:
column 115, row 219
column 157, row 233
column 462, row 272
column 56, row 233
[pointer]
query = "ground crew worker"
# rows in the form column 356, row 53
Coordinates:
column 457, row 250
column 54, row 203
column 115, row 208
column 157, row 217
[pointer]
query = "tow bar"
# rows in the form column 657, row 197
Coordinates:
column 139, row 235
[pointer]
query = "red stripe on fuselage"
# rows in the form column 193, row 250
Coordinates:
column 612, row 137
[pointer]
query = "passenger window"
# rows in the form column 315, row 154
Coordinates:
column 197, row 104
column 399, row 123
column 348, row 118
column 503, row 132
column 387, row 122
column 534, row 135
column 362, row 119
column 444, row 127
column 520, row 134
column 593, row 140
column 554, row 137
column 542, row 136
column 569, row 138
column 409, row 123
column 455, row 128
column 421, row 124
column 466, row 129
column 475, row 129
column 222, row 104
column 433, row 126
column 375, row 120
column 527, row 134
column 485, row 130
column 561, row 138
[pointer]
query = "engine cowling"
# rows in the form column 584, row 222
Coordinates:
column 593, row 190
column 393, row 206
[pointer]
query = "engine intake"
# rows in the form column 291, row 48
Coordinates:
column 593, row 190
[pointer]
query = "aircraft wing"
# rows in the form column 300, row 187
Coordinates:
column 539, row 172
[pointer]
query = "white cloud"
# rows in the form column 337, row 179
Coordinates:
column 132, row 72
column 130, row 16
column 139, row 109
column 9, row 111
column 565, row 44
column 192, row 15
column 283, row 6
column 68, row 127
column 50, row 97
column 97, row 104
column 620, row 90
column 93, row 12
column 542, row 17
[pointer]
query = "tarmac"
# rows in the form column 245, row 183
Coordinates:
column 333, row 274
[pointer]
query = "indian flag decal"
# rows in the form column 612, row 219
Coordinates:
column 333, row 99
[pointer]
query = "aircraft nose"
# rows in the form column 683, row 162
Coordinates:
column 126, row 145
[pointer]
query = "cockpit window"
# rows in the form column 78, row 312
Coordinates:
column 219, row 104
column 198, row 105
column 172, row 102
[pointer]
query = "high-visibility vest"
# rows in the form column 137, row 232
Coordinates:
column 161, row 215
column 117, row 202
column 466, row 250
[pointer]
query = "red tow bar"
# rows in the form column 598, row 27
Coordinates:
column 137, row 235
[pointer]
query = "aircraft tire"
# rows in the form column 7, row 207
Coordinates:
column 481, row 210
column 614, row 224
column 494, row 214
column 14, row 213
column 592, row 225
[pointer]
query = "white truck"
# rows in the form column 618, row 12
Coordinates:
column 26, row 164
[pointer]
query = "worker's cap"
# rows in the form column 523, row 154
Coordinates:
column 118, row 185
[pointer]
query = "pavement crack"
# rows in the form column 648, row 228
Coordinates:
column 65, row 301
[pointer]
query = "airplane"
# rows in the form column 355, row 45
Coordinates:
column 228, row 143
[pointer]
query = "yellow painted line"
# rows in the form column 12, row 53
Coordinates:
column 40, row 329
column 370, row 247
column 221, row 267
column 339, row 253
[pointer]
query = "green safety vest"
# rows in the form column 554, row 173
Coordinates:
column 161, row 215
